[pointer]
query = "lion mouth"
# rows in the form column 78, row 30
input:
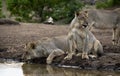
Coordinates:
column 85, row 25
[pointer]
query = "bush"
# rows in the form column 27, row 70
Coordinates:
column 0, row 10
column 107, row 4
column 19, row 9
column 58, row 9
column 66, row 10
column 116, row 3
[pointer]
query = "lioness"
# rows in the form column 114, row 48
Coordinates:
column 106, row 19
column 47, row 47
column 81, row 38
column 87, row 24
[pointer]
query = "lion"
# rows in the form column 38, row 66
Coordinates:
column 106, row 19
column 46, row 47
column 81, row 38
column 87, row 24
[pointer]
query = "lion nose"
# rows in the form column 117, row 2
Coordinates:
column 113, row 40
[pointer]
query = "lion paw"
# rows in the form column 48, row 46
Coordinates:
column 68, row 57
column 92, row 56
column 49, row 61
column 85, row 56
column 79, row 54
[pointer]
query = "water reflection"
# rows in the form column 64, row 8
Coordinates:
column 20, row 69
column 13, row 69
column 46, row 70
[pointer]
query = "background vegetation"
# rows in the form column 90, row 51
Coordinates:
column 0, row 10
column 39, row 10
column 107, row 3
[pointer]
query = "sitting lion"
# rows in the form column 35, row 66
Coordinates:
column 106, row 19
column 86, row 24
column 81, row 38
column 47, row 47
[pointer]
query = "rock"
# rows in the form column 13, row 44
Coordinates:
column 7, row 21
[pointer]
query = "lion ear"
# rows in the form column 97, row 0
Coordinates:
column 77, row 13
column 86, row 13
column 32, row 45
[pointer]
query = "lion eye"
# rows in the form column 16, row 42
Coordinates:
column 26, row 53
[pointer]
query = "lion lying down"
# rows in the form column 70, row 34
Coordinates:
column 48, row 47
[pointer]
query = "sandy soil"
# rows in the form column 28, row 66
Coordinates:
column 15, row 36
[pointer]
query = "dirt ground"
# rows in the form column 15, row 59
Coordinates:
column 15, row 36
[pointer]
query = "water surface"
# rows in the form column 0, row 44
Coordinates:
column 19, row 69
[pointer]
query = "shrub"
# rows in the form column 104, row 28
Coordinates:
column 66, row 10
column 107, row 3
column 58, row 9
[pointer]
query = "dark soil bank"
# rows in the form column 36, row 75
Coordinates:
column 13, row 39
column 109, row 61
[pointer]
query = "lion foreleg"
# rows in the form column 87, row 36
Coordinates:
column 118, row 37
column 113, row 36
column 85, row 48
column 55, row 53
column 72, row 46
column 119, row 41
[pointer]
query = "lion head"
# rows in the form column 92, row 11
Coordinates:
column 82, row 18
column 29, row 51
